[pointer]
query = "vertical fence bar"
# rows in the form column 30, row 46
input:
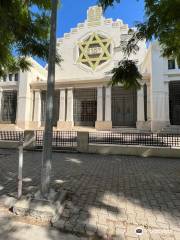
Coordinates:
column 20, row 168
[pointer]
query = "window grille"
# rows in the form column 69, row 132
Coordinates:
column 85, row 106
column 9, row 106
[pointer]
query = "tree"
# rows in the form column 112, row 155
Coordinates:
column 162, row 22
column 47, row 146
column 23, row 32
column 26, row 32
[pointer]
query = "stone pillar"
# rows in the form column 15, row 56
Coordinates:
column 99, row 104
column 108, row 105
column 160, row 108
column 103, row 123
column 148, row 101
column 62, row 105
column 69, row 112
column 66, row 108
column 23, row 119
column 140, row 124
column 37, row 109
column 82, row 142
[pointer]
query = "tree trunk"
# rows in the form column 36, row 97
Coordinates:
column 47, row 145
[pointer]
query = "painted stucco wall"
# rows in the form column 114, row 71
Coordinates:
column 160, row 76
column 67, row 46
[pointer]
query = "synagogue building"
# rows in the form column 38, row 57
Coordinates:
column 83, row 96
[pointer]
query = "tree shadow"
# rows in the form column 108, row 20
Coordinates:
column 106, row 194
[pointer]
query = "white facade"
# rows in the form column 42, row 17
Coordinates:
column 83, row 97
column 160, row 80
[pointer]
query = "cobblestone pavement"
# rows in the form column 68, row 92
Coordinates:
column 108, row 195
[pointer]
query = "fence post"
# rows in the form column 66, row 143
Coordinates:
column 20, row 168
column 82, row 141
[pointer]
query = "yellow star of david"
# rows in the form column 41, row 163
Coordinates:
column 94, row 51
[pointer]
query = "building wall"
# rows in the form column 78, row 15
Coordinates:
column 72, row 74
column 160, row 77
column 117, row 31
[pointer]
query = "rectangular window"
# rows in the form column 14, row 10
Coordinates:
column 9, row 106
column 10, row 77
column 4, row 78
column 16, row 77
column 171, row 64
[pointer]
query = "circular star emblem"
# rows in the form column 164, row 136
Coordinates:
column 94, row 51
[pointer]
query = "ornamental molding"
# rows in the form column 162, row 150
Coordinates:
column 94, row 50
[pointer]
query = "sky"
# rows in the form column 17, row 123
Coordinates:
column 73, row 12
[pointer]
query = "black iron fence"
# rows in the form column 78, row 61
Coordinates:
column 62, row 140
column 67, row 140
column 11, row 135
column 143, row 139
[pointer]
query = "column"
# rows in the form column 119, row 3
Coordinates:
column 108, row 104
column 62, row 105
column 140, row 108
column 103, row 119
column 99, row 104
column 69, row 115
column 160, row 108
column 23, row 116
column 148, row 101
column 66, row 109
column 37, row 109
column 140, row 105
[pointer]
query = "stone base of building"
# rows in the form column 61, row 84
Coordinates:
column 8, row 127
column 103, row 125
column 65, row 125
column 159, row 125
column 34, row 125
column 25, row 125
column 143, row 125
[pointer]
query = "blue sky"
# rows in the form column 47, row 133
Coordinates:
column 72, row 12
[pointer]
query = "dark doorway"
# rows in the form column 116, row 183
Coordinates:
column 85, row 106
column 124, row 107
column 174, row 103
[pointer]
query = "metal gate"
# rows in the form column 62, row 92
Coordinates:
column 9, row 106
column 55, row 107
column 174, row 103
column 85, row 106
column 124, row 107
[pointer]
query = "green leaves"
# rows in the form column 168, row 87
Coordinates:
column 162, row 22
column 23, row 32
column 106, row 3
column 127, row 74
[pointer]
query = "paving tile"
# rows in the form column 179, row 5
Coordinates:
column 112, row 192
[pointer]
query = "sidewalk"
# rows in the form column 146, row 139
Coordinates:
column 15, row 229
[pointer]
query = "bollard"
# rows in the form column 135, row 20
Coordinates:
column 20, row 168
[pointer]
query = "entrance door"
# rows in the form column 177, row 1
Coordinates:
column 85, row 107
column 124, row 107
column 174, row 103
